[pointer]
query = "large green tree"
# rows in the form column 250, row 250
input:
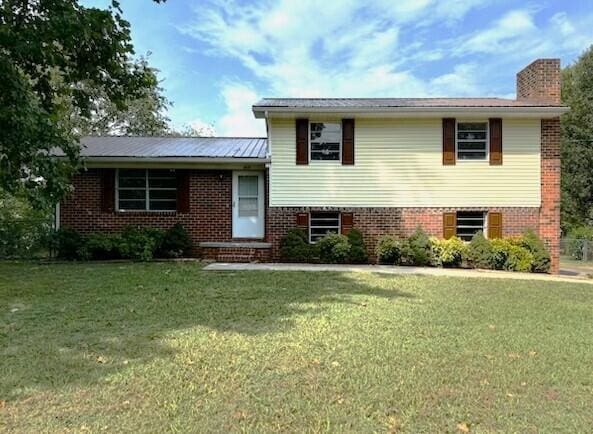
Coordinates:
column 54, row 55
column 577, row 142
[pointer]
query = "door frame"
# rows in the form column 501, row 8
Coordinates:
column 261, row 202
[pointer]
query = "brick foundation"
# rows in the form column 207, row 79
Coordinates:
column 399, row 222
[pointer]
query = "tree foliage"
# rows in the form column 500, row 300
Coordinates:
column 52, row 53
column 577, row 142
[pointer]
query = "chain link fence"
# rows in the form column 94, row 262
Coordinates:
column 577, row 249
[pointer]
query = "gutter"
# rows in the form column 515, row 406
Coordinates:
column 123, row 159
column 261, row 111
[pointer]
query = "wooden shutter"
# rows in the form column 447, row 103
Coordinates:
column 183, row 197
column 449, row 225
column 346, row 222
column 495, row 141
column 302, row 221
column 302, row 141
column 494, row 225
column 448, row 141
column 107, row 190
column 348, row 141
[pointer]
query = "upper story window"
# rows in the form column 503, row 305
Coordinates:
column 325, row 140
column 472, row 140
column 146, row 190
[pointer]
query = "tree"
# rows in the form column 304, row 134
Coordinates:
column 577, row 142
column 144, row 115
column 51, row 53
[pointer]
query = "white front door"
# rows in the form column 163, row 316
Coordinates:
column 248, row 205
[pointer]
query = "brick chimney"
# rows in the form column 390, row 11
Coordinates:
column 540, row 82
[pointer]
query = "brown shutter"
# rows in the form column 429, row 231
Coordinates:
column 108, row 190
column 302, row 141
column 346, row 222
column 494, row 225
column 347, row 141
column 448, row 141
column 495, row 141
column 302, row 220
column 183, row 191
column 449, row 225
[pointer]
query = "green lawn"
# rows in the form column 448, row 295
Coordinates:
column 169, row 347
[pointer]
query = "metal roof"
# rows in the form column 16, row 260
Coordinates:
column 362, row 103
column 207, row 148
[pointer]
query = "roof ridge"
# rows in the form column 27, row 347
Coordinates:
column 173, row 137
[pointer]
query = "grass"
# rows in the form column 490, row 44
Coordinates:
column 170, row 347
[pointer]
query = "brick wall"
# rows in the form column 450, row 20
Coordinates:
column 399, row 222
column 540, row 81
column 549, row 219
column 209, row 218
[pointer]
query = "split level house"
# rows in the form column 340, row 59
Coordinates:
column 453, row 166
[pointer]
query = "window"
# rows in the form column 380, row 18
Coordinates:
column 146, row 190
column 325, row 140
column 472, row 138
column 468, row 224
column 248, row 196
column 322, row 223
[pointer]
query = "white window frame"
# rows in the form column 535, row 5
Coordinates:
column 487, row 154
column 327, row 212
column 311, row 160
column 146, row 195
column 484, row 225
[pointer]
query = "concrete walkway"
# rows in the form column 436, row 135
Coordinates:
column 387, row 269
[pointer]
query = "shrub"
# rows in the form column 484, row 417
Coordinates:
column 295, row 247
column 103, row 246
column 68, row 244
column 175, row 243
column 416, row 250
column 358, row 251
column 140, row 243
column 448, row 253
column 333, row 249
column 509, row 255
column 479, row 251
column 541, row 257
column 388, row 250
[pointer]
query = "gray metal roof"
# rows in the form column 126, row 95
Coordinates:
column 371, row 103
column 221, row 148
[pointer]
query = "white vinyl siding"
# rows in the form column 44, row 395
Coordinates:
column 399, row 164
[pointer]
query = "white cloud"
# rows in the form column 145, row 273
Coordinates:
column 348, row 48
column 238, row 120
column 204, row 129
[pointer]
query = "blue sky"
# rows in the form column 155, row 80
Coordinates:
column 217, row 57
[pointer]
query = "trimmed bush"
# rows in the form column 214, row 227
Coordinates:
column 510, row 256
column 175, row 243
column 69, row 244
column 333, row 249
column 541, row 257
column 479, row 252
column 416, row 250
column 103, row 246
column 295, row 247
column 388, row 250
column 448, row 253
column 358, row 251
column 140, row 243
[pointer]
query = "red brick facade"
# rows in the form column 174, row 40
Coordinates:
column 540, row 81
column 549, row 219
column 399, row 222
